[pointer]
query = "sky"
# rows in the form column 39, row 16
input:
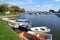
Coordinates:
column 34, row 5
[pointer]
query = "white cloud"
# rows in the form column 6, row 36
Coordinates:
column 17, row 3
column 30, row 1
column 33, row 8
column 37, row 6
column 12, row 3
column 57, row 0
column 44, row 7
column 47, row 5
column 21, row 3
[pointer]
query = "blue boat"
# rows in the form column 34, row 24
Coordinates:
column 21, row 19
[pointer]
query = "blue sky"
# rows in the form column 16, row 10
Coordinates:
column 37, row 5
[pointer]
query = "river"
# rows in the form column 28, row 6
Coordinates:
column 50, row 20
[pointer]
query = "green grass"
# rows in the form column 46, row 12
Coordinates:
column 6, row 33
column 10, row 14
column 1, row 14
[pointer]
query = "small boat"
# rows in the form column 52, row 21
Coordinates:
column 37, row 13
column 13, row 24
column 23, row 23
column 34, row 36
column 40, row 29
column 5, row 19
column 21, row 19
column 42, row 36
column 20, row 22
column 41, row 33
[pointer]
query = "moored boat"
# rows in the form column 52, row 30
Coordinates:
column 40, row 29
column 24, row 23
column 20, row 23
column 34, row 36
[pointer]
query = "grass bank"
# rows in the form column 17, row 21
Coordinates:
column 1, row 14
column 9, row 15
column 6, row 33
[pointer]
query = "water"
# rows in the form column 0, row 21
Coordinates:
column 50, row 20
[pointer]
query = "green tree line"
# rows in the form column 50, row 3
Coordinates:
column 6, row 8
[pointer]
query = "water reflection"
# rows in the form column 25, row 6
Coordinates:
column 36, row 14
column 57, row 14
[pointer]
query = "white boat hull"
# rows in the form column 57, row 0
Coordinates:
column 40, row 29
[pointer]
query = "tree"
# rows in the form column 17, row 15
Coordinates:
column 22, row 10
column 11, row 9
column 59, row 11
column 0, row 9
column 16, row 9
column 51, row 11
column 4, row 8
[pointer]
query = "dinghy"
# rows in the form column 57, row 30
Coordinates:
column 24, row 23
column 40, row 29
column 20, row 23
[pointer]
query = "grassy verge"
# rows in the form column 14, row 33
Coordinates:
column 1, row 14
column 6, row 33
